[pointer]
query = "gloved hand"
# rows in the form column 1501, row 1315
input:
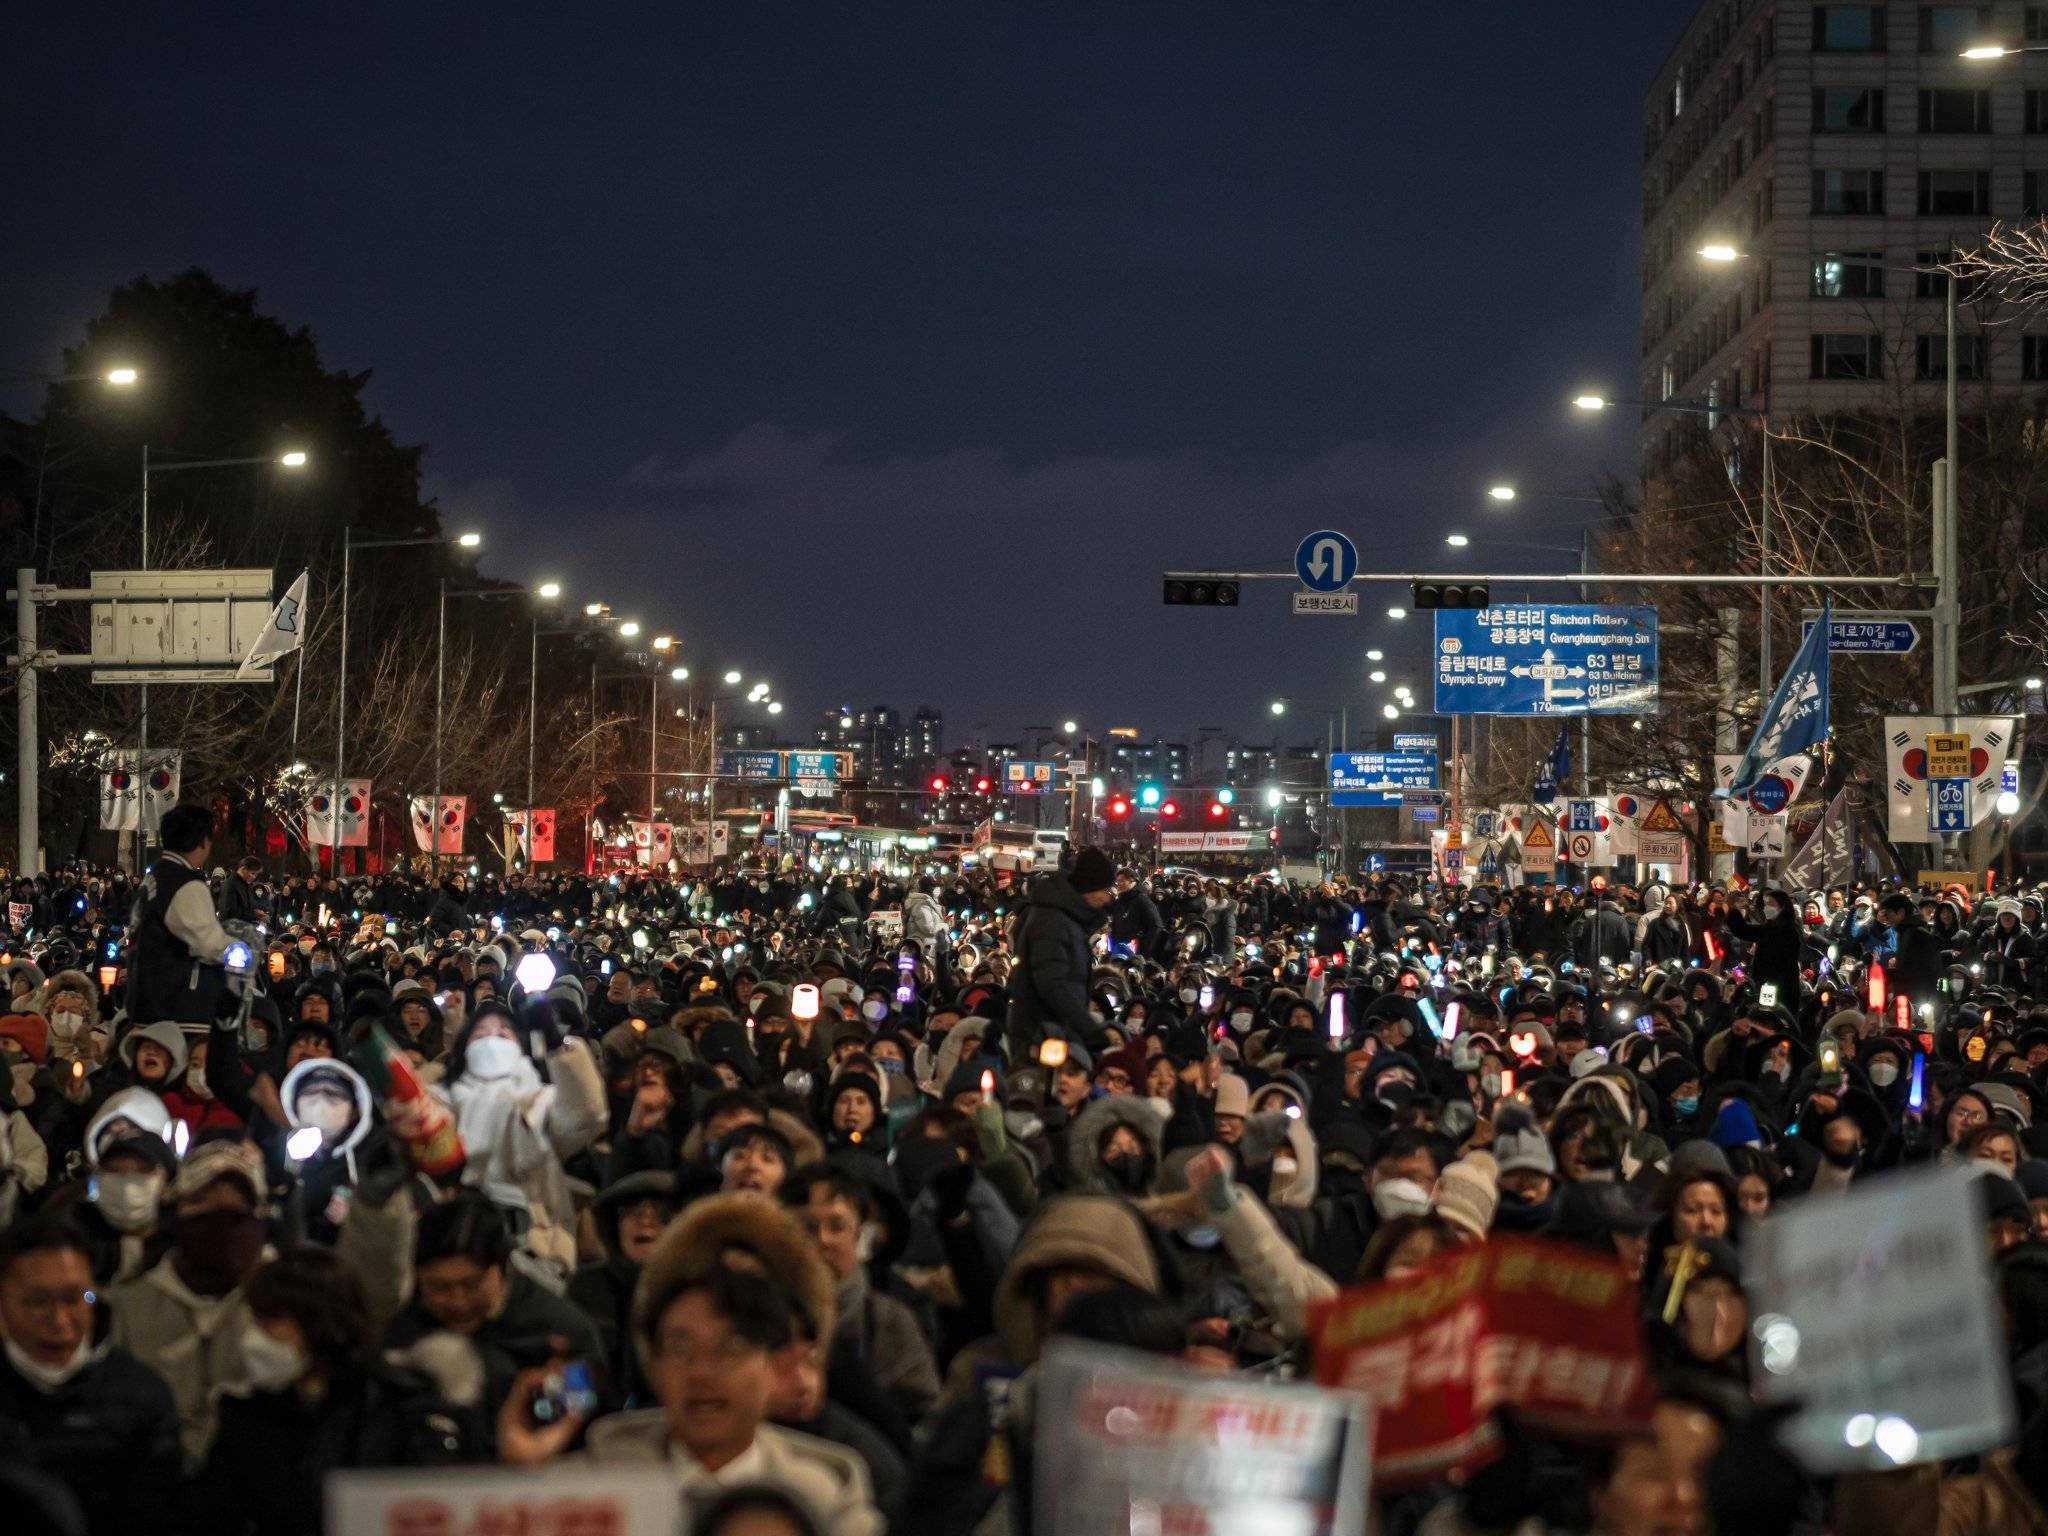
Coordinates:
column 987, row 1120
column 1208, row 1174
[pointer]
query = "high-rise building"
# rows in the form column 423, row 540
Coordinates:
column 1820, row 154
column 927, row 734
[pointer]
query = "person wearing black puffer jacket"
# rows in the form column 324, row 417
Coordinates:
column 1049, row 982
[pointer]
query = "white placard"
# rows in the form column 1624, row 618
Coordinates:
column 557, row 1501
column 1876, row 1312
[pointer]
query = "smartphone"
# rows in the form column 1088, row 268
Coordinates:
column 1767, row 994
column 604, row 967
column 1207, row 999
column 565, row 1393
column 1486, row 964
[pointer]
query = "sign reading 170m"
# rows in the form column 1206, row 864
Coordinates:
column 1546, row 659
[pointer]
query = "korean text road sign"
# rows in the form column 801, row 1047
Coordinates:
column 1868, row 637
column 1545, row 659
column 1539, row 850
column 2009, row 779
column 1414, row 741
column 1948, row 755
column 750, row 765
column 1023, row 778
column 1326, row 561
column 1379, row 778
column 1341, row 603
column 1948, row 805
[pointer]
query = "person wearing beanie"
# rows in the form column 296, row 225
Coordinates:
column 1468, row 1193
column 1525, row 1171
column 1048, row 982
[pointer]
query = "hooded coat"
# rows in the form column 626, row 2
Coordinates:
column 1049, row 981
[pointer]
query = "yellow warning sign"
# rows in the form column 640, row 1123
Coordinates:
column 1948, row 755
column 1455, row 838
column 1540, row 836
column 1661, row 818
column 1717, row 842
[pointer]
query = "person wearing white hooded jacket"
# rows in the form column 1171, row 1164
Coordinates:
column 518, row 1127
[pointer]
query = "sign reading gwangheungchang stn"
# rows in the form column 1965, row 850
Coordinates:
column 1546, row 659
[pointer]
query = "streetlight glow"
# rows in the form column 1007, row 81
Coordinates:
column 2008, row 803
column 630, row 628
column 1377, row 676
column 1501, row 492
column 662, row 642
column 733, row 677
column 1272, row 799
column 296, row 459
column 1590, row 402
column 592, row 610
column 1391, row 711
column 1456, row 540
column 1375, row 655
column 549, row 590
column 122, row 376
column 1279, row 706
column 1719, row 250
column 1987, row 51
column 1070, row 726
column 679, row 674
column 1397, row 613
column 467, row 540
column 775, row 706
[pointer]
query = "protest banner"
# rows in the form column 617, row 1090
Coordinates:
column 1128, row 1442
column 1876, row 1315
column 465, row 1501
column 1544, row 1328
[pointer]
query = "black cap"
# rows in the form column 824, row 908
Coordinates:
column 1092, row 871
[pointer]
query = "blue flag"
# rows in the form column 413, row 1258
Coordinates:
column 1798, row 714
column 1556, row 769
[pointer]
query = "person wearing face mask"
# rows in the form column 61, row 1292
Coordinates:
column 1775, row 942
column 332, row 1098
column 319, row 1398
column 119, row 1209
column 88, row 1415
column 1114, row 1147
column 519, row 1129
column 184, row 1317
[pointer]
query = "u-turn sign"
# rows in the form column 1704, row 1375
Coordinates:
column 1326, row 561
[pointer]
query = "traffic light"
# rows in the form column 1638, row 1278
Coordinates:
column 1117, row 808
column 1218, row 810
column 1449, row 594
column 937, row 784
column 1200, row 592
column 1226, row 796
column 984, row 785
column 1169, row 809
column 1149, row 795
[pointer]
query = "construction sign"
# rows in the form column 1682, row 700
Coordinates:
column 1661, row 837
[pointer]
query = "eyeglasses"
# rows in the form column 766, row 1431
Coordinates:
column 689, row 1354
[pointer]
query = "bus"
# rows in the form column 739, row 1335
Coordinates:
column 1020, row 849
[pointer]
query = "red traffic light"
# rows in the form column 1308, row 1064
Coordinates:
column 1218, row 810
column 936, row 783
column 984, row 784
column 1169, row 809
column 1117, row 808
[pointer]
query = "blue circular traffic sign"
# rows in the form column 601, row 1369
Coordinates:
column 1770, row 794
column 1326, row 561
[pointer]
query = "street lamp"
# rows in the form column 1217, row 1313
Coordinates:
column 1719, row 251
column 550, row 590
column 1391, row 711
column 1068, row 727
column 629, row 629
column 1279, row 706
column 1377, row 676
column 1501, row 492
column 1397, row 613
column 679, row 674
column 732, row 680
column 593, row 610
column 775, row 706
column 122, row 377
column 1456, row 540
column 1375, row 655
column 1590, row 402
column 663, row 642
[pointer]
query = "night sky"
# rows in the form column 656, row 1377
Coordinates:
column 890, row 351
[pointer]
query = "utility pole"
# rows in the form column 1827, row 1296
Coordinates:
column 27, row 760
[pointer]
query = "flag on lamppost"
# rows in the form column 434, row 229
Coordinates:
column 1556, row 769
column 283, row 634
column 1798, row 714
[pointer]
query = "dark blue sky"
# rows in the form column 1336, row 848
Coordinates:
column 892, row 350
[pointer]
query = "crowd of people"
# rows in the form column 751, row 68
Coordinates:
column 782, row 1179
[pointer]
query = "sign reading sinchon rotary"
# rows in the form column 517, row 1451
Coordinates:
column 1546, row 659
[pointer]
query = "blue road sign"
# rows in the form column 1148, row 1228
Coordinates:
column 1546, row 659
column 1423, row 812
column 812, row 765
column 2009, row 779
column 1485, row 825
column 1379, row 778
column 1489, row 864
column 1579, row 816
column 750, row 765
column 1948, row 805
column 1869, row 637
column 1326, row 561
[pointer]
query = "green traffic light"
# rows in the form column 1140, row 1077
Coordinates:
column 1226, row 796
column 1148, row 795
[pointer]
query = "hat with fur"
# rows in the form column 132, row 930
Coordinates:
column 747, row 1233
column 1468, row 1193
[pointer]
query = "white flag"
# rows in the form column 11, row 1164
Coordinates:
column 285, row 632
column 137, row 789
column 338, row 814
column 453, row 814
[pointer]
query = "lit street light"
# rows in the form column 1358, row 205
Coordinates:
column 1279, row 706
column 663, row 642
column 467, row 540
column 732, row 679
column 1719, row 251
column 1070, row 726
column 1375, row 655
column 593, row 610
column 1456, row 540
column 1501, row 492
column 1377, row 676
column 549, row 590
column 775, row 706
column 1397, row 613
column 122, row 377
column 1590, row 402
column 1391, row 711
column 629, row 629
column 679, row 674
